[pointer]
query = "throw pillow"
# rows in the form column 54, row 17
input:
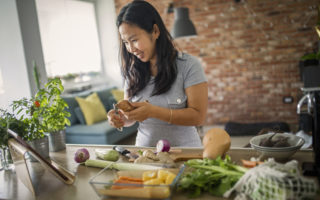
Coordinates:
column 79, row 115
column 117, row 94
column 106, row 98
column 92, row 109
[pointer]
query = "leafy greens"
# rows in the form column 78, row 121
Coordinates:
column 213, row 176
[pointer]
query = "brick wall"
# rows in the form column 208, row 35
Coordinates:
column 250, row 53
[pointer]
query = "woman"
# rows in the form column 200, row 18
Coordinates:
column 168, row 88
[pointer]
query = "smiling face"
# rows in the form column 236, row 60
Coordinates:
column 139, row 42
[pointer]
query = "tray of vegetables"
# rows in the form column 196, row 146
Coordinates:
column 136, row 184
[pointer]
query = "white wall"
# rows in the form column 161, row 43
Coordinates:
column 20, row 44
column 30, row 32
column 12, row 59
column 106, row 19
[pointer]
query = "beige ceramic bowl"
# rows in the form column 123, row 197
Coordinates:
column 278, row 153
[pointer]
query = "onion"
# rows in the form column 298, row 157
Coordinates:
column 163, row 146
column 81, row 155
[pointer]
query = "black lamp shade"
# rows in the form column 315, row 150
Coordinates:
column 182, row 24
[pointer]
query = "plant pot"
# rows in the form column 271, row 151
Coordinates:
column 6, row 162
column 41, row 146
column 311, row 76
column 57, row 140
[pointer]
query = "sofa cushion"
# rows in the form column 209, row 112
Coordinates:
column 72, row 104
column 117, row 94
column 79, row 115
column 107, row 98
column 99, row 133
column 92, row 109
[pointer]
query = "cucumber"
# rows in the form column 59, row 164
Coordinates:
column 107, row 154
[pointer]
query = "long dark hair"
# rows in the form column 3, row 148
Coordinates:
column 137, row 73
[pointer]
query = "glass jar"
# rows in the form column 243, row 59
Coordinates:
column 6, row 162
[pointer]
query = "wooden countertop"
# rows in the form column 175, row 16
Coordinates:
column 49, row 187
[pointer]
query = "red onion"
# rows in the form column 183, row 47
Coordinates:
column 163, row 146
column 81, row 155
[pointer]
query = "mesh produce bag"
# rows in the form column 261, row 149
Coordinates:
column 273, row 180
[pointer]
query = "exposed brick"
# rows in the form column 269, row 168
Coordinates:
column 251, row 61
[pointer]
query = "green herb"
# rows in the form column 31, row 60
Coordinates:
column 52, row 106
column 36, row 75
column 311, row 56
column 8, row 120
column 213, row 176
column 140, row 152
column 45, row 112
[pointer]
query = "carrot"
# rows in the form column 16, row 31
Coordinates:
column 130, row 179
column 135, row 184
column 250, row 164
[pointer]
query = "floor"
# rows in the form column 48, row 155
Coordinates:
column 239, row 141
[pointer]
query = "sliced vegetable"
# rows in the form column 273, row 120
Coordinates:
column 126, row 184
column 158, row 177
column 119, row 166
column 147, row 175
column 155, row 181
column 128, row 178
column 149, row 154
column 81, row 155
column 163, row 145
column 250, row 163
column 107, row 154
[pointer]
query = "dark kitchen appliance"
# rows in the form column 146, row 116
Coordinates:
column 312, row 99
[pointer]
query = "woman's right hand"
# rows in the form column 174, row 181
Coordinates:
column 116, row 120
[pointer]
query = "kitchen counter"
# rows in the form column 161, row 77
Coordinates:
column 49, row 187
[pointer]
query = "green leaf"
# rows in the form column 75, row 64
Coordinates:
column 225, row 185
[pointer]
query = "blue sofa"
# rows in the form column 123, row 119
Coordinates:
column 99, row 133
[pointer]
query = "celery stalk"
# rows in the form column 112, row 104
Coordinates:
column 119, row 166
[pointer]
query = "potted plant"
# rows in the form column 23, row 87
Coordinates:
column 54, row 117
column 309, row 63
column 8, row 121
column 310, row 69
column 29, row 112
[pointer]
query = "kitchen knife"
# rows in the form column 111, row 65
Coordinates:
column 125, row 152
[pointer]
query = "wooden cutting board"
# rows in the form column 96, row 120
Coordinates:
column 177, row 155
column 180, row 156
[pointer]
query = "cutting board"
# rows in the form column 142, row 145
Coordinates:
column 180, row 156
column 177, row 155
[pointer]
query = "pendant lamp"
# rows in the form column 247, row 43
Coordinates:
column 182, row 26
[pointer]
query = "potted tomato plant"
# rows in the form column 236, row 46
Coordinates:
column 54, row 116
column 29, row 112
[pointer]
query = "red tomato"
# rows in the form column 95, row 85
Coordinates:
column 37, row 104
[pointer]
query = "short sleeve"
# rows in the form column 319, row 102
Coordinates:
column 193, row 72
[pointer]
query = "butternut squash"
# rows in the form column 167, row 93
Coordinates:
column 216, row 143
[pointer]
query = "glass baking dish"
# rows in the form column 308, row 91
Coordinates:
column 104, row 186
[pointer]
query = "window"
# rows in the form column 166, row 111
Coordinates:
column 69, row 37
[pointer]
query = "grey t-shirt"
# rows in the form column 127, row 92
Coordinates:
column 151, row 130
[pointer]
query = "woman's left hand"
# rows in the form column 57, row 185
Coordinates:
column 140, row 113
